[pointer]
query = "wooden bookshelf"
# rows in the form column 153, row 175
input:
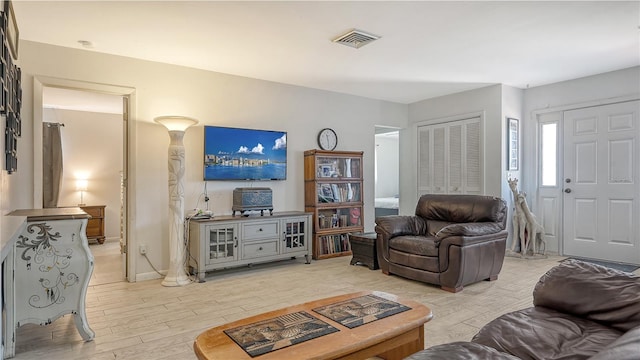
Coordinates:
column 333, row 194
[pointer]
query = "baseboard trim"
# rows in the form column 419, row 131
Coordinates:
column 149, row 276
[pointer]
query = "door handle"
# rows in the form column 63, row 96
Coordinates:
column 567, row 190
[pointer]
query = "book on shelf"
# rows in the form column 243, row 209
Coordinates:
column 328, row 193
column 336, row 193
column 355, row 168
column 332, row 244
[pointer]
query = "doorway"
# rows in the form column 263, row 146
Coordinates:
column 100, row 152
column 387, row 171
column 90, row 126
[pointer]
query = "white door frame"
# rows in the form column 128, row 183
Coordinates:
column 39, row 83
column 544, row 116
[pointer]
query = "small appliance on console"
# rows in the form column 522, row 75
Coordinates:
column 252, row 198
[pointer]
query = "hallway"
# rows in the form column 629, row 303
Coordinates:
column 108, row 266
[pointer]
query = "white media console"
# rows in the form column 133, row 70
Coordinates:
column 230, row 241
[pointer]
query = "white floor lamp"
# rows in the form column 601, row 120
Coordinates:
column 177, row 275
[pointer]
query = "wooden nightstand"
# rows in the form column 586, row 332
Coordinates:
column 95, row 225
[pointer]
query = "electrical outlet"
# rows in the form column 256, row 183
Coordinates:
column 143, row 249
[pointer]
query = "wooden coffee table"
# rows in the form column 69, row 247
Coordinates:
column 392, row 337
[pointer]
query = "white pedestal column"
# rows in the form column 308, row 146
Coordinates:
column 176, row 275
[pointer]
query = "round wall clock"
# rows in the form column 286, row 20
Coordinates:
column 327, row 139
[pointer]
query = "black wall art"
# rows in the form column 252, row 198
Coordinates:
column 11, row 88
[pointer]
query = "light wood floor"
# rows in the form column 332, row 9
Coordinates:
column 145, row 320
column 108, row 263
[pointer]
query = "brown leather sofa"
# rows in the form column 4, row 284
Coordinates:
column 451, row 241
column 581, row 311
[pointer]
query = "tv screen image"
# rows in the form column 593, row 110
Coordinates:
column 244, row 154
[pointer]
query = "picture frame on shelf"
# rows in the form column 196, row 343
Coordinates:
column 325, row 170
column 12, row 32
column 326, row 193
column 513, row 142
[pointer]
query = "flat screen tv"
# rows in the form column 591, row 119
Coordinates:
column 244, row 154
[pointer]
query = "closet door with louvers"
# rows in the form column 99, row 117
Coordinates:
column 449, row 158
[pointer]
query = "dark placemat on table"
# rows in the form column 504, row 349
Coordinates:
column 272, row 334
column 361, row 310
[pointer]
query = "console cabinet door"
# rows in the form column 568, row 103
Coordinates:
column 295, row 234
column 221, row 242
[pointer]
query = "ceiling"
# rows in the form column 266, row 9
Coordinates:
column 427, row 49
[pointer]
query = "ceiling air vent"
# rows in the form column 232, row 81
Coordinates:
column 356, row 38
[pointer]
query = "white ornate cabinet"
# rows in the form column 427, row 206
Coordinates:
column 49, row 271
column 229, row 241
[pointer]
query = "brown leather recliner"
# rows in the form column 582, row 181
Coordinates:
column 451, row 241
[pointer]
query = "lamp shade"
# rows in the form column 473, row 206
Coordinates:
column 81, row 184
column 176, row 123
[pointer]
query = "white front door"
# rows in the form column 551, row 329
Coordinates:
column 601, row 182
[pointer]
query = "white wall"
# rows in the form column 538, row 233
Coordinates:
column 91, row 143
column 551, row 100
column 496, row 103
column 16, row 189
column 213, row 99
column 220, row 99
column 388, row 164
column 499, row 102
column 511, row 108
column 488, row 101
column 564, row 95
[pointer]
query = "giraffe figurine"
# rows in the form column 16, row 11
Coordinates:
column 519, row 220
column 535, row 231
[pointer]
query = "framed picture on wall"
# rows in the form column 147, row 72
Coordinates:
column 513, row 154
column 11, row 144
column 13, row 35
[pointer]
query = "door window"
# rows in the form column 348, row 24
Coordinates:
column 549, row 163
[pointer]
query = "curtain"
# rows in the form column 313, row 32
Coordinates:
column 51, row 164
